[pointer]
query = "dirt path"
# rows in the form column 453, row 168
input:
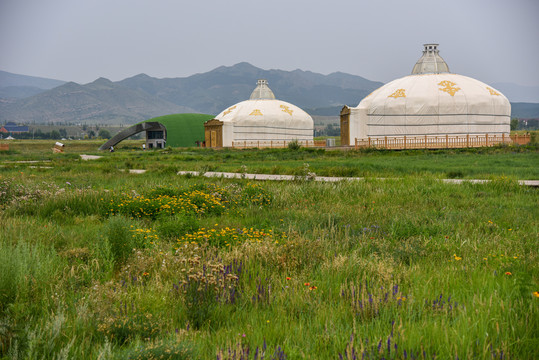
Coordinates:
column 229, row 175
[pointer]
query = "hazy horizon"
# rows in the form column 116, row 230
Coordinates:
column 494, row 41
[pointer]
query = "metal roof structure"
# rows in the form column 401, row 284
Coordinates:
column 430, row 62
column 262, row 91
column 11, row 127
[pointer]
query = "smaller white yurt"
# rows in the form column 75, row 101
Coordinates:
column 261, row 121
column 431, row 102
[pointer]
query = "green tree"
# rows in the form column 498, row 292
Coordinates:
column 332, row 130
column 55, row 134
column 104, row 133
column 514, row 124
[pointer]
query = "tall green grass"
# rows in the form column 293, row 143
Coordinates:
column 480, row 163
column 329, row 269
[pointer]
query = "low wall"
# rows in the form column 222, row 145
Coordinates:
column 434, row 142
column 248, row 144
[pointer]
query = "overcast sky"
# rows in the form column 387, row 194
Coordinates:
column 81, row 40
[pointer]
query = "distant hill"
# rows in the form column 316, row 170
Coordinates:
column 21, row 86
column 9, row 79
column 327, row 111
column 141, row 97
column 525, row 110
column 19, row 92
column 101, row 101
column 215, row 90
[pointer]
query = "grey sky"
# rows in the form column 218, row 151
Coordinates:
column 81, row 40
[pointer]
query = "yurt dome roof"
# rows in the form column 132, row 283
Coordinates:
column 431, row 101
column 272, row 112
column 436, row 94
column 262, row 107
column 432, row 89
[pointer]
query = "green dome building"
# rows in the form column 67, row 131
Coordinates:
column 176, row 130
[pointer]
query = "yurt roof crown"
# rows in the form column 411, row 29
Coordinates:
column 262, row 91
column 430, row 62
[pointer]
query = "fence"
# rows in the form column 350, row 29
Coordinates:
column 432, row 142
column 521, row 139
column 275, row 144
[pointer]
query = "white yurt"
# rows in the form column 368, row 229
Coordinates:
column 429, row 102
column 261, row 121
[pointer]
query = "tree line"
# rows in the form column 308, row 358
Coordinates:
column 60, row 134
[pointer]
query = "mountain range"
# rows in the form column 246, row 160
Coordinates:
column 26, row 99
column 22, row 86
column 99, row 102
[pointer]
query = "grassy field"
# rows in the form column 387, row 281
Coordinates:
column 481, row 163
column 97, row 263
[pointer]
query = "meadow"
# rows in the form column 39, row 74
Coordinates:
column 99, row 263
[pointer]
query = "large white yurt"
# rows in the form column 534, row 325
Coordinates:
column 261, row 121
column 429, row 102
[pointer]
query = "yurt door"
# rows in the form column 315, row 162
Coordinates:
column 345, row 126
column 213, row 133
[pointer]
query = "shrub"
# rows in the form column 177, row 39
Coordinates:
column 120, row 238
column 163, row 191
column 294, row 145
column 246, row 352
column 226, row 237
column 129, row 323
column 367, row 301
column 177, row 225
column 200, row 300
column 8, row 191
column 304, row 173
column 7, row 336
column 205, row 285
column 382, row 349
column 24, row 269
column 13, row 193
column 48, row 338
column 159, row 350
column 456, row 174
column 51, row 201
column 505, row 183
column 256, row 195
column 534, row 137
column 193, row 202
